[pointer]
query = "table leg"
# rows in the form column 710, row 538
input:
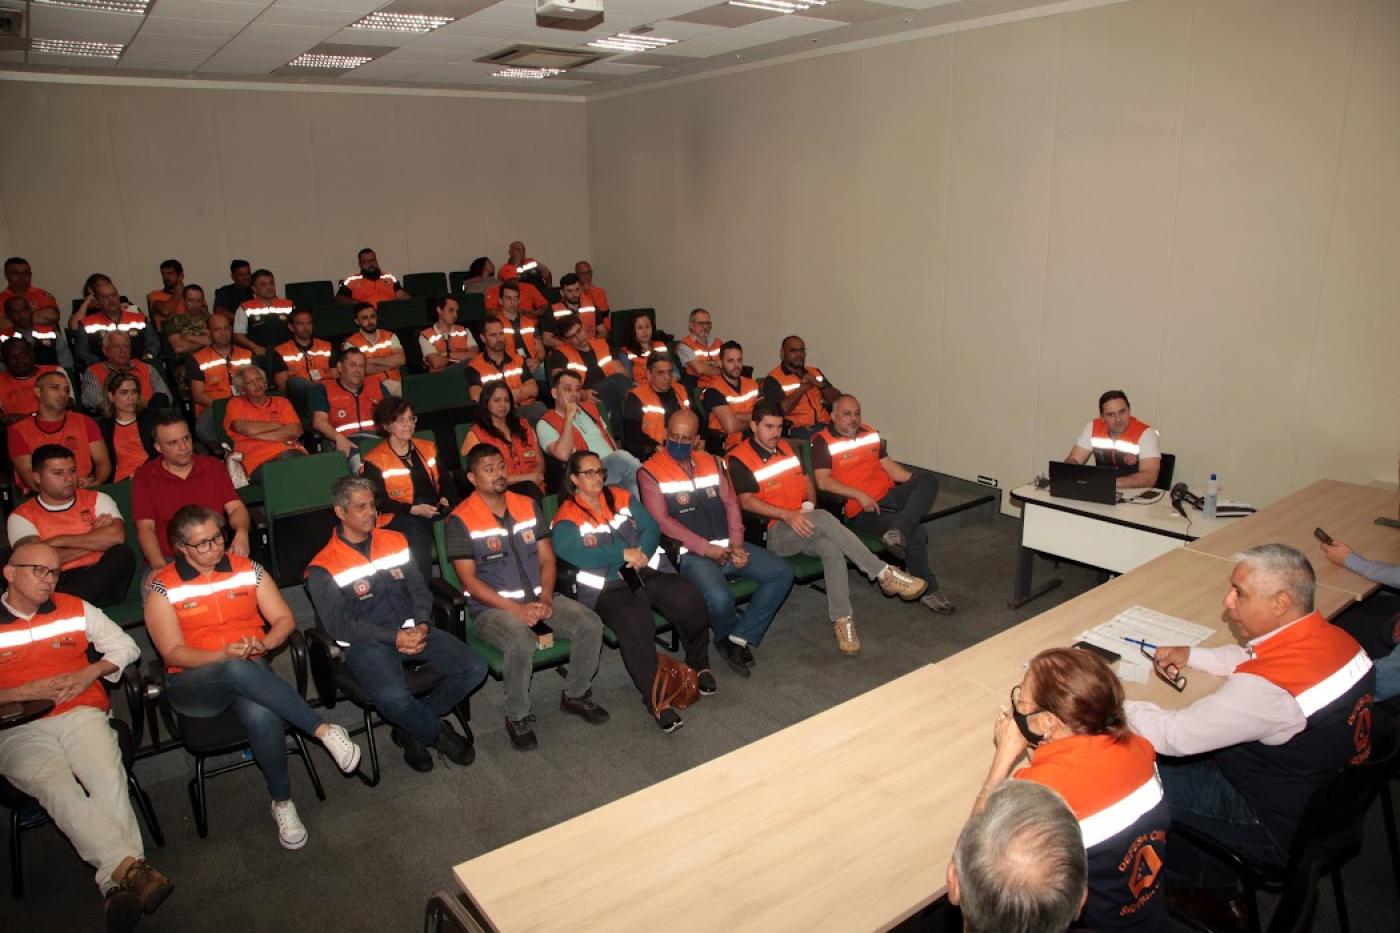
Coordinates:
column 1025, row 566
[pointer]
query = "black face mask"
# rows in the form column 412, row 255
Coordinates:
column 1023, row 721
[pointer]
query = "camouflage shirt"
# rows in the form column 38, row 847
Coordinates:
column 189, row 324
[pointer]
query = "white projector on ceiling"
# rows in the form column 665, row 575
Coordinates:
column 568, row 9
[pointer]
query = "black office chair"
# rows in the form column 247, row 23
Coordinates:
column 1164, row 474
column 204, row 737
column 1328, row 836
column 335, row 681
column 446, row 906
column 25, row 812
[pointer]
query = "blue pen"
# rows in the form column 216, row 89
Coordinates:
column 1138, row 641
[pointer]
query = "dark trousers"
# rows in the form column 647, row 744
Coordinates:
column 263, row 702
column 379, row 669
column 104, row 583
column 903, row 509
column 1202, row 797
column 611, row 391
column 419, row 532
column 630, row 616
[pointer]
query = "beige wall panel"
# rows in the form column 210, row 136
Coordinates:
column 1350, row 431
column 998, row 213
column 1259, row 160
column 1117, row 143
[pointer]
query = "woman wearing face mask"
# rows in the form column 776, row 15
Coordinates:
column 1067, row 717
column 636, row 351
column 601, row 530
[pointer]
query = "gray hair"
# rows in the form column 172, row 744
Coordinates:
column 1021, row 863
column 241, row 372
column 1286, row 567
column 110, row 335
column 346, row 486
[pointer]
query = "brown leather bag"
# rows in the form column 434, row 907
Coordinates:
column 676, row 684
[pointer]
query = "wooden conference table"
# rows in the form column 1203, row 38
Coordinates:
column 847, row 820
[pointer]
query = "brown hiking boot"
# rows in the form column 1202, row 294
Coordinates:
column 148, row 884
column 895, row 582
column 846, row 638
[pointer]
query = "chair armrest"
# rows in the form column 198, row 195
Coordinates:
column 1246, row 869
column 296, row 646
column 157, row 706
column 134, row 689
column 449, row 609
column 323, row 655
column 833, row 503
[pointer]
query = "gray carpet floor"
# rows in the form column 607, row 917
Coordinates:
column 376, row 854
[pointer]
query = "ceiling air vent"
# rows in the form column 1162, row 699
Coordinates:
column 541, row 56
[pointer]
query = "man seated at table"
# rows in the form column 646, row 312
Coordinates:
column 1020, row 865
column 1375, row 621
column 68, row 759
column 83, row 526
column 19, row 283
column 587, row 432
column 49, row 346
column 1117, row 439
column 771, row 484
column 446, row 343
column 18, row 399
column 803, row 391
column 1294, row 710
column 605, row 380
column 56, row 423
column 690, row 497
column 262, row 307
column 262, row 427
column 648, row 405
column 370, row 597
column 116, row 358
column 879, row 494
column 496, row 362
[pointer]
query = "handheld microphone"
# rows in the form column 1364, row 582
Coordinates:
column 1179, row 492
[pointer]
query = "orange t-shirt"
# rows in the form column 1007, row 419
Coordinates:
column 255, row 450
column 531, row 299
column 130, row 451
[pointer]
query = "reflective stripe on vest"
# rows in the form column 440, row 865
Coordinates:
column 1113, row 819
column 777, row 468
column 1339, row 682
column 196, row 590
column 42, row 632
column 369, row 568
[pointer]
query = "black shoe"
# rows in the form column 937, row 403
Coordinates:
column 451, row 743
column 584, row 708
column 121, row 908
column 415, row 753
column 669, row 720
column 733, row 656
column 706, row 682
column 747, row 652
column 521, row 735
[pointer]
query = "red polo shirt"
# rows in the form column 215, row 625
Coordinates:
column 156, row 493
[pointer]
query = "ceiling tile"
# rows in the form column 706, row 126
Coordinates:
column 49, row 22
column 730, row 17
column 181, row 27
column 281, row 32
column 720, row 43
column 277, row 14
column 794, row 24
column 350, row 6
column 163, row 59
column 679, row 29
column 371, row 37
column 228, row 10
column 206, row 44
column 69, row 61
column 617, row 69
column 464, row 44
column 856, row 11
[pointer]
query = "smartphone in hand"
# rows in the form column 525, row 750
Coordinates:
column 1322, row 536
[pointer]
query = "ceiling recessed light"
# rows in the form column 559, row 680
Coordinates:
column 631, row 42
column 529, row 74
column 337, row 62
column 779, row 6
column 72, row 47
column 136, row 7
column 402, row 22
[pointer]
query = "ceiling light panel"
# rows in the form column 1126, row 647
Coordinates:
column 335, row 62
column 401, row 22
column 528, row 74
column 779, row 6
column 134, row 7
column 629, row 42
column 71, row 47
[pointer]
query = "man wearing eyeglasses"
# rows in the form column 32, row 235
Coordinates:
column 69, row 759
column 1295, row 708
column 85, row 527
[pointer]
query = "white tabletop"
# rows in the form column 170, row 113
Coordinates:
column 1158, row 516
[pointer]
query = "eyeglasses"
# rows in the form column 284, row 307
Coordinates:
column 594, row 473
column 1170, row 674
column 207, row 545
column 42, row 572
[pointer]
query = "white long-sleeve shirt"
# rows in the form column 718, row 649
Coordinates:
column 102, row 633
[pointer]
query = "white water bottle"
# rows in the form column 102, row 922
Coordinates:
column 1212, row 494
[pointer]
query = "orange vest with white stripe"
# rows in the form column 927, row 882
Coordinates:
column 17, row 395
column 218, row 371
column 1332, row 679
column 855, row 462
column 381, row 346
column 77, row 519
column 372, row 587
column 214, row 609
column 522, row 336
column 131, row 322
column 1120, row 452
column 142, row 372
column 512, row 370
column 639, row 360
column 694, row 501
column 574, row 359
column 704, row 353
column 311, row 363
column 587, row 313
column 373, row 291
column 654, row 409
column 781, row 481
column 740, row 401
column 257, row 310
column 457, row 339
column 597, row 530
column 398, row 481
column 53, row 642
column 556, row 421
column 507, row 559
column 521, row 456
column 811, row 410
column 350, row 412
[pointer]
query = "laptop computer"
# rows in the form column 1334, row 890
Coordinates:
column 1084, row 481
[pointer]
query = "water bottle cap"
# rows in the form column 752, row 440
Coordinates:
column 1212, row 476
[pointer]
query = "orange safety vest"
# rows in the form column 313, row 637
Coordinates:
column 218, row 369
column 255, row 310
column 532, row 300
column 598, row 531
column 587, row 313
column 371, row 598
column 140, row 370
column 17, row 395
column 511, row 271
column 384, row 288
column 639, row 360
column 76, row 519
column 131, row 322
column 512, row 370
column 574, row 359
column 507, row 559
column 521, row 456
column 398, row 481
column 521, row 339
column 781, row 481
column 311, row 363
column 71, row 434
column 214, row 609
column 694, row 501
column 705, row 353
column 811, row 410
column 457, row 340
column 556, row 421
column 855, row 462
column 1122, row 451
column 255, row 450
column 53, row 642
column 382, row 345
column 654, row 410
column 351, row 412
column 598, row 298
column 740, row 400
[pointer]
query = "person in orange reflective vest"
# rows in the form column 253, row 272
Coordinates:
column 446, row 343
column 585, row 431
column 169, row 299
column 18, row 400
column 116, row 358
column 639, row 347
column 383, row 352
column 262, row 427
column 496, row 363
column 879, row 494
column 300, row 367
column 215, row 618
column 697, row 351
column 19, row 283
column 413, row 491
column 572, row 300
column 520, row 266
column 109, row 314
column 1066, row 715
column 605, row 380
column 68, row 759
column 498, row 424
column 524, row 337
column 370, row 285
column 210, row 373
column 56, row 423
column 593, row 294
column 1294, row 709
column 48, row 343
column 348, row 412
column 803, row 391
column 648, row 405
column 728, row 399
column 265, row 306
column 1117, row 439
column 771, row 484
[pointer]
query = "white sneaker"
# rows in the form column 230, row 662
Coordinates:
column 290, row 831
column 345, row 752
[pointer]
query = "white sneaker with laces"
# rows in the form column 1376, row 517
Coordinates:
column 345, row 752
column 290, row 831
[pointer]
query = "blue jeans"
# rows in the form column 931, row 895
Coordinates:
column 1202, row 797
column 1388, row 676
column 379, row 669
column 263, row 702
column 773, row 576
